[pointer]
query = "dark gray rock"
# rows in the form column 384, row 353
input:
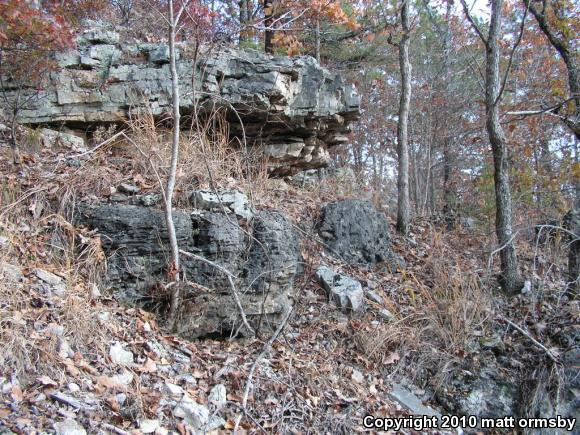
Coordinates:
column 264, row 264
column 570, row 402
column 291, row 108
column 135, row 240
column 357, row 232
column 262, row 259
column 572, row 225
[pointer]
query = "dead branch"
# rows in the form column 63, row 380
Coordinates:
column 265, row 349
column 102, row 144
column 532, row 339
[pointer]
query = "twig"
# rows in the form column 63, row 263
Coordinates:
column 105, row 142
column 489, row 262
column 265, row 350
column 132, row 142
column 532, row 339
column 71, row 401
column 115, row 429
column 22, row 198
column 230, row 277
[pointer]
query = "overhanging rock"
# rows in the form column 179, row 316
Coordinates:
column 291, row 108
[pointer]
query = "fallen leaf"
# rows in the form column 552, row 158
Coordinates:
column 392, row 358
column 16, row 393
column 149, row 367
column 109, row 383
column 46, row 381
column 113, row 403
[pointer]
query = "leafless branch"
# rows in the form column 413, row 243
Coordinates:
column 230, row 277
column 265, row 350
column 532, row 339
column 512, row 52
column 472, row 22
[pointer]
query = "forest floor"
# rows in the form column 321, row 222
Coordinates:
column 72, row 356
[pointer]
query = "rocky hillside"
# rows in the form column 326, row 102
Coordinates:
column 300, row 310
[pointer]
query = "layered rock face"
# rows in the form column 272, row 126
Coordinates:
column 289, row 107
column 262, row 259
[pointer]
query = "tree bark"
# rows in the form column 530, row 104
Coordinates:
column 243, row 21
column 510, row 280
column 317, row 40
column 173, row 272
column 402, row 127
column 268, row 23
column 449, row 192
column 570, row 57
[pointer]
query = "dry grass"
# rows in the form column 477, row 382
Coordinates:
column 442, row 305
column 208, row 157
column 35, row 326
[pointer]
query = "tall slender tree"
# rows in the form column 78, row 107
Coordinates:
column 174, row 17
column 268, row 23
column 403, row 203
column 556, row 21
column 494, row 87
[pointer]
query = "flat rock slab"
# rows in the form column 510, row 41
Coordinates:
column 410, row 401
column 345, row 292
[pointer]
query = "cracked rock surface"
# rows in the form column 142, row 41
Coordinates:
column 262, row 258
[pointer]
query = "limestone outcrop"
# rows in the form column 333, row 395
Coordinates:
column 291, row 108
column 262, row 258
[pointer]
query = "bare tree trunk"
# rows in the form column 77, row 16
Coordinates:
column 268, row 23
column 426, row 199
column 402, row 127
column 414, row 180
column 317, row 39
column 569, row 55
column 449, row 193
column 173, row 272
column 510, row 280
column 243, row 21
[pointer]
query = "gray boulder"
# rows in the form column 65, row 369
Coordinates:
column 357, row 232
column 265, row 266
column 50, row 138
column 345, row 292
column 262, row 259
column 312, row 177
